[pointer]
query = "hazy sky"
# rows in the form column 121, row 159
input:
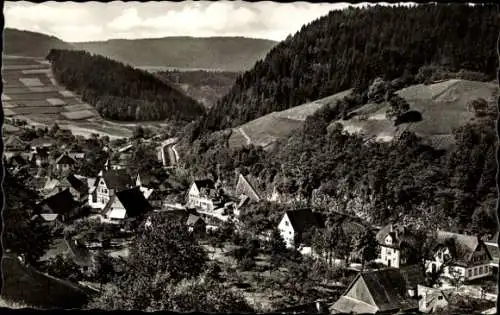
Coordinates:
column 89, row 21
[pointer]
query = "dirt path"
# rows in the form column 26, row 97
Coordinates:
column 249, row 141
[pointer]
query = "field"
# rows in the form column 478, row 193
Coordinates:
column 31, row 93
column 267, row 130
column 443, row 107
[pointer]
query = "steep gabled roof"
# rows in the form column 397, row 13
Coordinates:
column 77, row 184
column 60, row 203
column 65, row 159
column 246, row 188
column 303, row 219
column 205, row 183
column 388, row 289
column 117, row 179
column 467, row 244
column 192, row 219
column 132, row 200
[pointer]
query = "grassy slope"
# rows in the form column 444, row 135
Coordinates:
column 266, row 130
column 225, row 53
column 443, row 107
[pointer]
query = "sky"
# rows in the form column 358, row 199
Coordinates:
column 95, row 21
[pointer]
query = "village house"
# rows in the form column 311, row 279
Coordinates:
column 196, row 225
column 459, row 255
column 39, row 157
column 64, row 163
column 432, row 300
column 61, row 203
column 203, row 194
column 492, row 245
column 392, row 239
column 76, row 155
column 107, row 184
column 382, row 291
column 126, row 204
column 295, row 222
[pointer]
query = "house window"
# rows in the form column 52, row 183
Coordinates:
column 440, row 297
column 480, row 270
column 485, row 269
column 286, row 223
column 470, row 273
column 290, row 232
column 475, row 271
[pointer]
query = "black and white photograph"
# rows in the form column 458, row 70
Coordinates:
column 250, row 157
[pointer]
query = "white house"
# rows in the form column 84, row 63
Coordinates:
column 294, row 223
column 203, row 194
column 107, row 184
column 391, row 238
column 460, row 255
column 126, row 204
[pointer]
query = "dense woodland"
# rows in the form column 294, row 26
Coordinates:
column 350, row 48
column 204, row 86
column 120, row 92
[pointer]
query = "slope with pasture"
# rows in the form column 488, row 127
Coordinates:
column 267, row 130
column 443, row 106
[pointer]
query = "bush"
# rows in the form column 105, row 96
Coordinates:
column 408, row 117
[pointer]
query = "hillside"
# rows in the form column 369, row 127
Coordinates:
column 31, row 93
column 204, row 86
column 349, row 48
column 120, row 92
column 30, row 44
column 443, row 106
column 267, row 130
column 223, row 53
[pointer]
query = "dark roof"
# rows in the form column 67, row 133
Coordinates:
column 205, row 183
column 60, row 203
column 79, row 252
column 77, row 184
column 192, row 219
column 388, row 289
column 399, row 234
column 65, row 159
column 246, row 188
column 117, row 179
column 303, row 219
column 467, row 243
column 133, row 201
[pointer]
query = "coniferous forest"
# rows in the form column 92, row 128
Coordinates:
column 118, row 91
column 350, row 48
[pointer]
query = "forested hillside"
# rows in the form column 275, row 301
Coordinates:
column 118, row 91
column 223, row 53
column 350, row 48
column 204, row 86
column 30, row 44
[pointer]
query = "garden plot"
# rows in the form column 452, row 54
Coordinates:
column 78, row 115
column 33, row 96
column 67, row 93
column 73, row 101
column 8, row 104
column 43, row 89
column 56, row 101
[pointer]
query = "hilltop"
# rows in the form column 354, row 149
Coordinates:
column 223, row 53
column 349, row 48
column 30, row 44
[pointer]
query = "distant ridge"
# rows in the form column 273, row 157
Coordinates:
column 224, row 53
column 30, row 44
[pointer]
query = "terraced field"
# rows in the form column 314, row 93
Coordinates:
column 31, row 93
